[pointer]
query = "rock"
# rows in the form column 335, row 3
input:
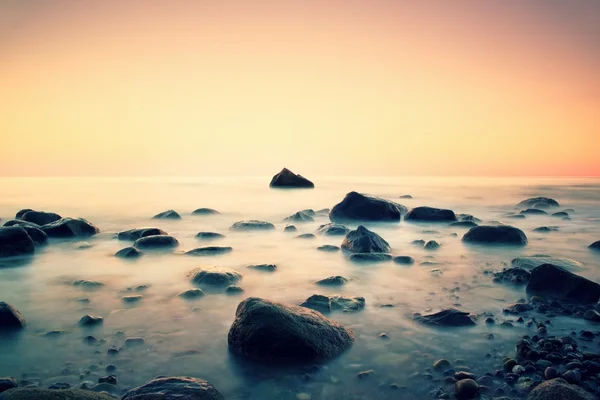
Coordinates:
column 268, row 331
column 134, row 342
column 559, row 389
column 370, row 257
column 10, row 318
column 70, row 227
column 38, row 236
column 466, row 389
column 405, row 196
column 7, row 383
column 441, row 365
column 18, row 222
column 333, row 281
column 324, row 303
column 318, row 302
column 560, row 214
column 110, row 379
column 552, row 281
column 263, row 267
column 129, row 252
column 22, row 212
column 205, row 211
column 419, row 243
column 39, row 217
column 464, row 224
column 363, row 240
column 305, row 236
column 333, row 229
column 546, row 229
column 290, row 228
column 192, row 294
column 14, row 241
column 595, row 246
column 430, row 214
column 82, row 245
column 89, row 320
column 174, row 388
column 432, row 245
column 550, row 373
column 287, row 179
column 592, row 315
column 135, row 234
column 516, row 276
column 84, row 283
column 214, row 276
column 52, row 394
column 299, row 217
column 531, row 262
column 169, row 214
column 539, row 202
column 209, row 235
column 251, row 225
column 328, row 248
column 533, row 211
column 518, row 308
column 495, row 235
column 233, row 289
column 209, row 251
column 448, row 317
column 359, row 207
column 156, row 242
column 132, row 298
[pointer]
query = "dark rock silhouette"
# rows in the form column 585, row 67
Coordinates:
column 595, row 246
column 174, row 388
column 70, row 227
column 128, row 252
column 287, row 179
column 363, row 240
column 205, row 211
column 214, row 276
column 209, row 251
column 40, row 217
column 333, row 229
column 558, row 283
column 10, row 317
column 252, row 224
column 156, row 242
column 360, row 207
column 533, row 211
column 539, row 202
column 169, row 214
column 495, row 235
column 448, row 317
column 558, row 388
column 15, row 241
column 300, row 216
column 135, row 234
column 209, row 235
column 430, row 214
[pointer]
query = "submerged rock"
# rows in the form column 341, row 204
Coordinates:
column 287, row 179
column 539, row 202
column 209, row 251
column 299, row 217
column 363, row 240
column 370, row 257
column 15, row 241
column 496, row 235
column 448, row 317
column 430, row 214
column 305, row 236
column 561, row 214
column 268, row 331
column 129, row 252
column 432, row 245
column 205, row 211
column 251, row 225
column 174, row 388
column 214, row 276
column 234, row 289
column 333, row 229
column 333, row 281
column 10, row 317
column 70, row 227
column 592, row 315
column 39, row 217
column 531, row 262
column 359, row 207
column 134, row 298
column 169, row 214
column 559, row 389
column 326, row 304
column 90, row 320
column 404, row 260
column 135, row 234
column 556, row 282
column 464, row 224
column 86, row 284
column 533, row 211
column 263, row 267
column 156, row 242
column 26, row 393
column 516, row 276
column 546, row 229
column 209, row 235
column 328, row 248
column 290, row 228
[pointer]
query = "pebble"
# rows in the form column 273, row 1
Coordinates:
column 466, row 389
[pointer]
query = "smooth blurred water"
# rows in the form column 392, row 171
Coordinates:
column 190, row 338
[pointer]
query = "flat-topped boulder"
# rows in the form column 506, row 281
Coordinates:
column 533, row 211
column 136, row 233
column 559, row 389
column 404, row 260
column 39, row 217
column 430, row 214
column 169, row 214
column 360, row 207
column 464, row 224
column 214, row 276
column 70, row 227
column 335, row 280
column 555, row 282
column 174, row 388
column 209, row 235
column 252, row 225
column 209, row 251
column 561, row 214
column 10, row 317
column 539, row 202
column 156, row 242
column 530, row 262
column 15, row 241
column 129, row 252
column 263, row 267
column 27, row 393
column 363, row 240
column 333, row 229
column 205, row 211
column 300, row 216
column 495, row 235
column 328, row 248
column 287, row 179
column 448, row 317
column 272, row 332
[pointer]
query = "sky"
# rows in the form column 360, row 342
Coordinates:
column 369, row 87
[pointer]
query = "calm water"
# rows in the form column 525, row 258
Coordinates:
column 190, row 338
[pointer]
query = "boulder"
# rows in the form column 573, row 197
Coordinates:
column 70, row 227
column 370, row 257
column 10, row 317
column 18, row 222
column 268, row 331
column 432, row 245
column 299, row 217
column 263, row 267
column 209, row 235
column 530, row 262
column 7, row 383
column 38, row 236
column 287, row 179
column 539, row 202
column 25, row 393
column 214, row 276
column 328, row 248
column 495, row 235
column 129, row 252
column 552, row 281
column 561, row 214
column 290, row 228
column 169, row 214
column 252, row 225
column 305, row 236
column 546, row 229
column 15, row 241
column 310, row 212
column 466, row 389
column 174, row 388
column 333, row 229
column 595, row 246
column 135, row 234
column 467, row 218
column 233, row 290
column 592, row 315
column 360, row 207
column 333, row 281
column 192, row 294
column 22, row 212
column 363, row 240
column 430, row 214
column 533, row 211
column 559, row 389
column 463, row 224
column 404, row 260
column 90, row 320
column 448, row 317
column 209, row 251
column 156, row 242
column 39, row 217
column 326, row 304
column 205, row 211
column 516, row 276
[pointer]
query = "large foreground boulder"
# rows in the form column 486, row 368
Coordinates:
column 156, row 242
column 14, row 241
column 495, row 235
column 39, row 217
column 10, row 317
column 363, row 240
column 268, row 331
column 430, row 214
column 287, row 179
column 555, row 282
column 136, row 233
column 360, row 207
column 530, row 262
column 174, row 388
column 559, row 389
column 52, row 394
column 70, row 227
column 539, row 202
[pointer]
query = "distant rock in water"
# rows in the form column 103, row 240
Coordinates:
column 328, row 248
column 156, row 242
column 272, row 332
column 290, row 228
column 54, row 393
column 233, row 290
column 531, row 262
column 333, row 229
column 39, row 217
column 406, row 196
column 516, row 216
column 86, row 284
column 359, row 207
column 467, row 218
column 595, row 246
column 287, row 179
column 252, row 225
column 495, row 235
column 559, row 389
column 135, row 234
column 404, row 260
column 432, row 245
column 363, row 240
column 463, row 224
column 539, row 202
column 70, row 227
column 333, row 281
column 90, row 320
column 546, row 229
column 560, row 214
column 214, row 276
column 209, row 251
column 552, row 281
column 323, row 212
column 128, row 252
column 10, row 317
column 209, row 235
column 326, row 304
column 515, row 276
column 169, row 214
column 430, row 214
column 533, row 211
column 263, row 267
column 419, row 242
column 448, row 317
column 174, row 388
column 205, row 211
column 305, row 236
column 299, row 217
column 369, row 257
column 15, row 241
